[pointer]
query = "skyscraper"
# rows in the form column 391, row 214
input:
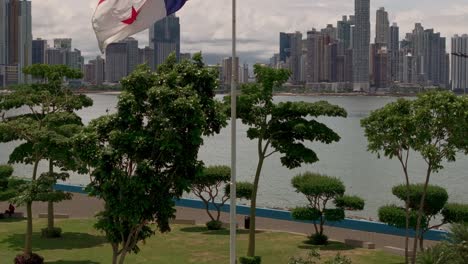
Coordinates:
column 227, row 70
column 15, row 36
column 343, row 29
column 116, row 62
column 164, row 38
column 132, row 53
column 285, row 49
column 361, row 45
column 460, row 64
column 146, row 56
column 3, row 31
column 294, row 60
column 382, row 27
column 63, row 43
column 39, row 47
column 100, row 70
column 394, row 48
column 56, row 56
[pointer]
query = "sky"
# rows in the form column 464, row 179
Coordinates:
column 206, row 24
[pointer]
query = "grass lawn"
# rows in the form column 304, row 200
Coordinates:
column 81, row 244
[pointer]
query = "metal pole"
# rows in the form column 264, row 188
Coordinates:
column 233, row 227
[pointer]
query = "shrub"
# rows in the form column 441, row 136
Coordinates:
column 5, row 171
column 455, row 213
column 244, row 190
column 29, row 259
column 439, row 254
column 214, row 225
column 396, row 216
column 350, row 202
column 436, row 197
column 339, row 259
column 250, row 260
column 306, row 214
column 55, row 232
column 312, row 257
column 318, row 239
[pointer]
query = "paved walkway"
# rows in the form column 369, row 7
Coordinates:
column 83, row 206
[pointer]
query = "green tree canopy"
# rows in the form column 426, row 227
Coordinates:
column 283, row 128
column 145, row 155
column 320, row 190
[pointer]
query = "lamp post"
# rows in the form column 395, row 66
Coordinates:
column 233, row 214
column 461, row 55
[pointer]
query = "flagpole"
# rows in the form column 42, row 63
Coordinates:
column 233, row 193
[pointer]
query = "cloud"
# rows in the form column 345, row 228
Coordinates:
column 206, row 24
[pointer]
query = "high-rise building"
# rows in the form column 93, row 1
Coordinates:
column 132, row 54
column 56, row 56
column 164, row 38
column 381, row 68
column 100, row 71
column 73, row 59
column 227, row 70
column 39, row 47
column 460, row 64
column 89, row 72
column 3, row 32
column 185, row 56
column 63, row 43
column 244, row 73
column 382, row 27
column 314, row 50
column 394, row 49
column 294, row 60
column 343, row 29
column 15, row 37
column 285, row 49
column 361, row 45
column 146, row 56
column 329, row 31
column 116, row 62
column 25, row 39
column 429, row 51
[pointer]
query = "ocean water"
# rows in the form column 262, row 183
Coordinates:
column 362, row 172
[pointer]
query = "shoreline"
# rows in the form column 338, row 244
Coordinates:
column 110, row 92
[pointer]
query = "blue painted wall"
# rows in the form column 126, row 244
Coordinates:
column 361, row 225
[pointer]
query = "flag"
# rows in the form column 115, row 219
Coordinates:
column 114, row 20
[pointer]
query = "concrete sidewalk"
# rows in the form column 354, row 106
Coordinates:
column 82, row 206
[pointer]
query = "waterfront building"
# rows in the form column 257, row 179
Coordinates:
column 394, row 48
column 227, row 71
column 382, row 27
column 460, row 63
column 164, row 38
column 132, row 54
column 55, row 56
column 63, row 43
column 116, row 62
column 39, row 47
column 361, row 45
column 343, row 29
column 146, row 56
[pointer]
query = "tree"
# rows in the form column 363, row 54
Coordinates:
column 244, row 190
column 35, row 115
column 389, row 132
column 8, row 184
column 320, row 190
column 280, row 128
column 207, row 187
column 145, row 155
column 435, row 125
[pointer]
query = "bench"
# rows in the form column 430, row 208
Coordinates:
column 56, row 216
column 396, row 251
column 182, row 222
column 359, row 243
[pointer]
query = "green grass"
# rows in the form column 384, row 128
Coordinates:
column 81, row 244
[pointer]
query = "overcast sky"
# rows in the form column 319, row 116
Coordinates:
column 206, row 24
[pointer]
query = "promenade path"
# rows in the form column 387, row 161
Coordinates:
column 82, row 206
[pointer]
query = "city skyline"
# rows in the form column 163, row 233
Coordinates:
column 259, row 22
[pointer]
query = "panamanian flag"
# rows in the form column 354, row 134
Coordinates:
column 114, row 20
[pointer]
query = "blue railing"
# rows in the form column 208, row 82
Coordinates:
column 353, row 224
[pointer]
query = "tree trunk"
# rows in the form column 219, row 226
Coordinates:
column 29, row 227
column 421, row 242
column 407, row 220
column 420, row 214
column 253, row 206
column 50, row 206
column 122, row 257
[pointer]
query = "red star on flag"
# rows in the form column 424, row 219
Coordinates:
column 133, row 18
column 100, row 1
